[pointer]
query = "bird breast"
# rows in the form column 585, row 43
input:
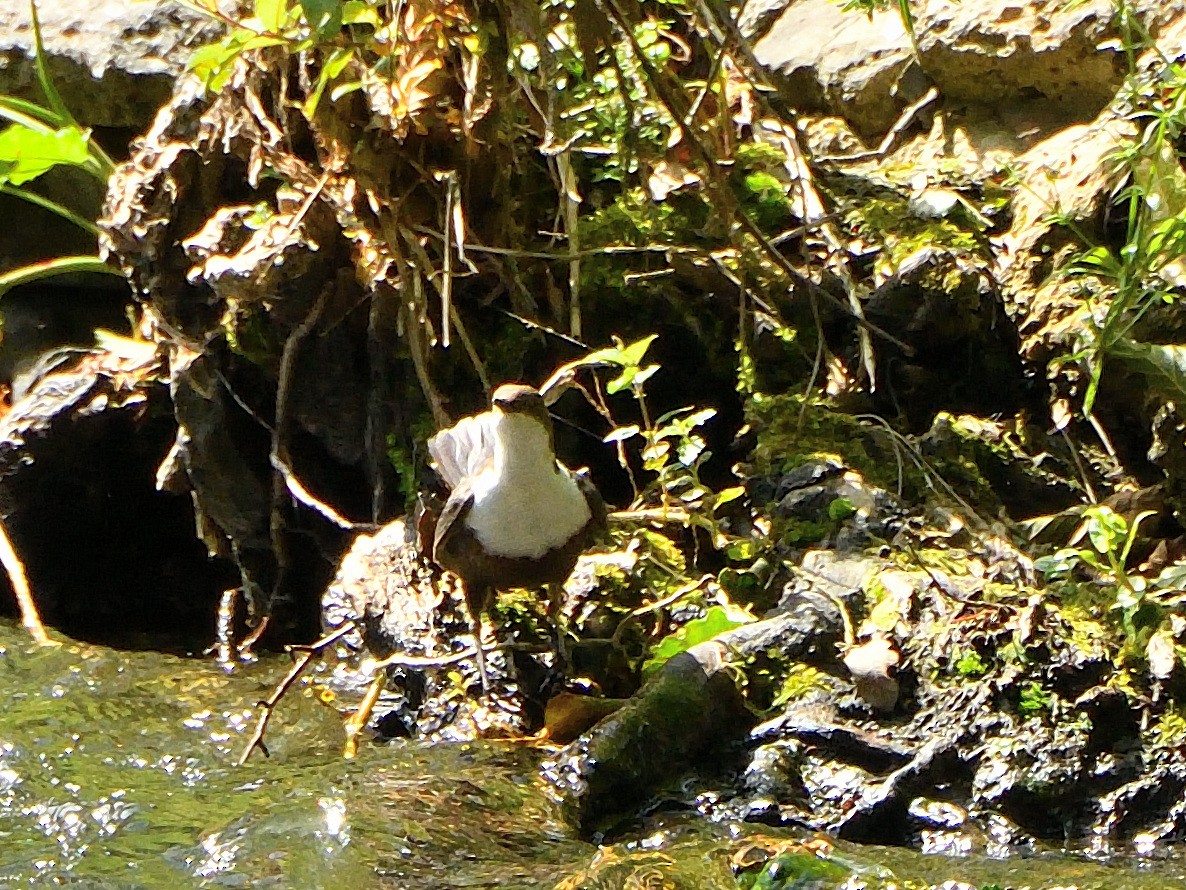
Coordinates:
column 526, row 515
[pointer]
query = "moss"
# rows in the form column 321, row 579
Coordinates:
column 887, row 219
column 798, row 682
column 1170, row 729
column 791, row 433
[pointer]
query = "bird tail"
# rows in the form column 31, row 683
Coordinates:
column 464, row 449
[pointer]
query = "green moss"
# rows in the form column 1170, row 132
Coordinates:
column 971, row 664
column 798, row 682
column 887, row 219
column 1033, row 700
column 791, row 433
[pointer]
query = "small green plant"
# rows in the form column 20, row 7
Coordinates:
column 971, row 664
column 1110, row 538
column 1146, row 269
column 37, row 139
column 1033, row 700
column 673, row 450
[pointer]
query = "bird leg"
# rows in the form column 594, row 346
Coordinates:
column 474, row 604
column 555, row 619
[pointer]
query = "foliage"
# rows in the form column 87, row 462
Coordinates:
column 39, row 138
column 1033, row 699
column 715, row 621
column 1146, row 269
column 1146, row 605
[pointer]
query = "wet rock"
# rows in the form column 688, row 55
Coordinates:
column 690, row 708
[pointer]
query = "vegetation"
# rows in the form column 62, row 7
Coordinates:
column 37, row 139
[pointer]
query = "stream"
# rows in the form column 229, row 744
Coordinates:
column 117, row 770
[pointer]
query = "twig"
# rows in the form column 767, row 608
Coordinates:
column 905, row 119
column 304, row 496
column 279, row 450
column 358, row 720
column 298, row 668
column 20, row 587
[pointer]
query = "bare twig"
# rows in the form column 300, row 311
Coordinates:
column 30, row 618
column 905, row 119
column 307, row 653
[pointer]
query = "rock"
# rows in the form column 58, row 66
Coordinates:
column 839, row 62
column 687, row 709
column 113, row 61
column 1060, row 63
column 1006, row 52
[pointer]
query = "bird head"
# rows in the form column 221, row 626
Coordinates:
column 515, row 398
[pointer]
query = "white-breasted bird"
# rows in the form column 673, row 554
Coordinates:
column 515, row 516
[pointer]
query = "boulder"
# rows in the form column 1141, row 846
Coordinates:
column 113, row 61
column 1065, row 59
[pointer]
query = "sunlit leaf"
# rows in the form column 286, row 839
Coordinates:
column 27, row 153
column 271, row 14
column 634, row 353
column 325, row 16
column 358, row 12
column 332, row 67
column 621, row 434
column 716, row 621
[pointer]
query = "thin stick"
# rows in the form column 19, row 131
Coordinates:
column 359, row 719
column 298, row 668
column 20, row 586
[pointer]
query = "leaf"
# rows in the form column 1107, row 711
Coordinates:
column 325, row 16
column 271, row 14
column 64, row 265
column 1164, row 364
column 716, row 621
column 26, row 153
column 332, row 67
column 621, row 434
column 357, row 12
column 634, row 353
column 725, row 495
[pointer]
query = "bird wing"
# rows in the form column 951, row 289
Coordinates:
column 598, row 511
column 464, row 449
column 457, row 507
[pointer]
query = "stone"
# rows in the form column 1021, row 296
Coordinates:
column 840, row 62
column 113, row 61
column 1060, row 62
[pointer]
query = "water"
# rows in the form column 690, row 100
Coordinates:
column 117, row 770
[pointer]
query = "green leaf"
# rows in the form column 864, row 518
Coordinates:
column 725, row 495
column 634, row 353
column 716, row 621
column 357, row 12
column 52, row 96
column 325, row 16
column 840, row 509
column 1165, row 365
column 57, row 266
column 330, row 69
column 26, row 153
column 271, row 14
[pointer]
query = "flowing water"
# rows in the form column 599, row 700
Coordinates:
column 117, row 770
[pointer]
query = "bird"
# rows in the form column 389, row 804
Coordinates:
column 515, row 517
